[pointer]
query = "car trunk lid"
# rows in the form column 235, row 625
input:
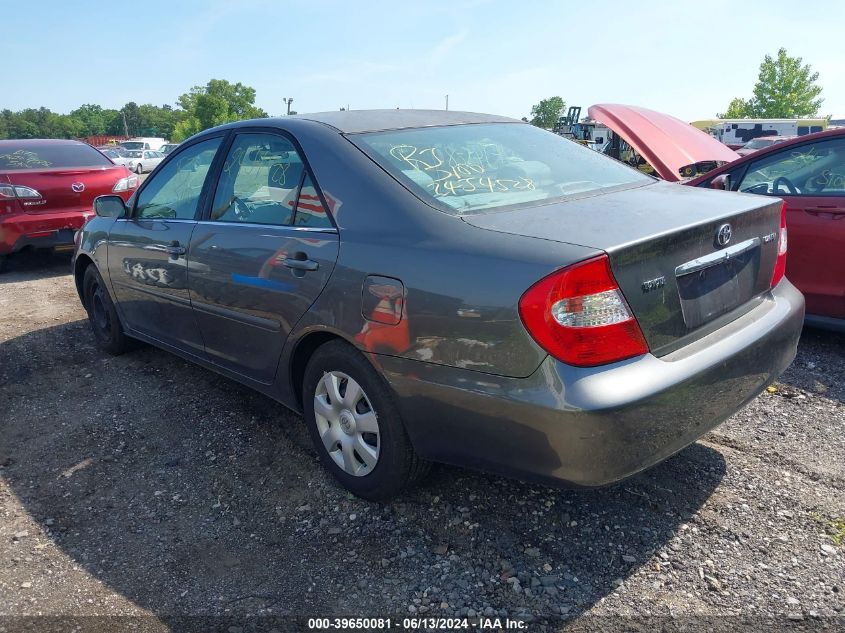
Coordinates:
column 664, row 250
column 63, row 189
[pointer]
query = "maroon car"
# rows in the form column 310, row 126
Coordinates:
column 807, row 172
column 47, row 190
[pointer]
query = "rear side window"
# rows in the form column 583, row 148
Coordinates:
column 61, row 155
column 264, row 181
column 174, row 191
column 477, row 167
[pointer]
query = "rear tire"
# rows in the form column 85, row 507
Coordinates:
column 360, row 437
column 2, row 263
column 102, row 315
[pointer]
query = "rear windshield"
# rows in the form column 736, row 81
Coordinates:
column 51, row 156
column 478, row 167
column 133, row 144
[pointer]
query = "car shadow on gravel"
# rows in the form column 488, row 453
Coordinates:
column 28, row 265
column 812, row 371
column 189, row 494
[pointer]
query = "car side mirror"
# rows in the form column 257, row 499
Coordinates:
column 110, row 207
column 722, row 181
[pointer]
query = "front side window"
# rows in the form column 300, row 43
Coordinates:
column 476, row 167
column 174, row 191
column 260, row 181
column 812, row 169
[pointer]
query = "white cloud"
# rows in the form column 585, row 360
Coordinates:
column 444, row 47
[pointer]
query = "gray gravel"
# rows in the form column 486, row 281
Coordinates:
column 145, row 485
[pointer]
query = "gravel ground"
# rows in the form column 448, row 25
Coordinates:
column 143, row 485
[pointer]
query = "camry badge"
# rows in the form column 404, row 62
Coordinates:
column 653, row 284
column 78, row 187
column 723, row 235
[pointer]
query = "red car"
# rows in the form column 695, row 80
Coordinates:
column 47, row 191
column 807, row 172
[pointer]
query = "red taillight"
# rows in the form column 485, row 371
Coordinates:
column 780, row 262
column 579, row 316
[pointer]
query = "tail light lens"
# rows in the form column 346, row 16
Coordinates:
column 780, row 262
column 125, row 184
column 18, row 191
column 579, row 316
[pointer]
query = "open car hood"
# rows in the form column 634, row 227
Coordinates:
column 675, row 149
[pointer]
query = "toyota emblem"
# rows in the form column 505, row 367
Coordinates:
column 78, row 187
column 723, row 234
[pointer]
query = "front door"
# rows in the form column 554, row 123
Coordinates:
column 262, row 256
column 811, row 180
column 148, row 252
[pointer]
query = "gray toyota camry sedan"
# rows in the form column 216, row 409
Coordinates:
column 452, row 287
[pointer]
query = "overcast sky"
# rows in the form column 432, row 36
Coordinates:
column 686, row 59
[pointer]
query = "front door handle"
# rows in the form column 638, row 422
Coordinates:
column 174, row 249
column 301, row 264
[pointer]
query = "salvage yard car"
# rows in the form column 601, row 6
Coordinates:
column 47, row 189
column 453, row 287
column 807, row 172
column 140, row 161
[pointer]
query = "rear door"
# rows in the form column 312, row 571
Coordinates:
column 261, row 256
column 148, row 252
column 810, row 178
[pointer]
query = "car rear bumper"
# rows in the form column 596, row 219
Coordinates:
column 595, row 426
column 41, row 230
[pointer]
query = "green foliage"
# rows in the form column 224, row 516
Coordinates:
column 215, row 103
column 835, row 528
column 737, row 109
column 546, row 113
column 785, row 89
column 203, row 107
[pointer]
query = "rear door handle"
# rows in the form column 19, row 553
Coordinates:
column 301, row 264
column 174, row 249
column 823, row 209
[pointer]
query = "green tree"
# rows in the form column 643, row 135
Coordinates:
column 737, row 109
column 785, row 89
column 92, row 119
column 546, row 113
column 215, row 103
column 132, row 113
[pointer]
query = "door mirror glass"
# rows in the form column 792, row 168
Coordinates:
column 110, row 206
column 722, row 181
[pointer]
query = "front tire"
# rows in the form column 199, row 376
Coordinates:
column 102, row 315
column 139, row 169
column 355, row 424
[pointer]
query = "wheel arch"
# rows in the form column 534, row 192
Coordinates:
column 302, row 353
column 79, row 267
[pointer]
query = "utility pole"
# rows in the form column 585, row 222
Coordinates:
column 125, row 127
column 288, row 101
column 447, row 102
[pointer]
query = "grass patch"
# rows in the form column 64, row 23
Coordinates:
column 834, row 528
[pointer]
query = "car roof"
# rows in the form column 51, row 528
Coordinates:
column 358, row 121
